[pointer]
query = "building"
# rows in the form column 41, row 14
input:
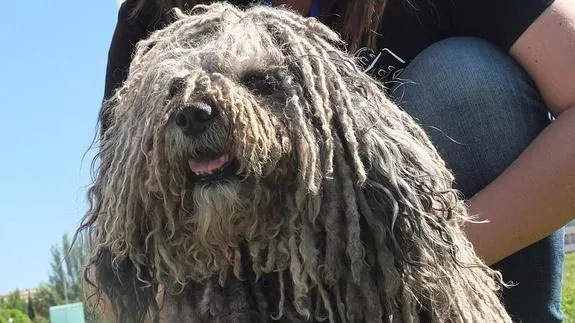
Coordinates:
column 24, row 293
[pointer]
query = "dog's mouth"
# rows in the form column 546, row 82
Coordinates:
column 211, row 169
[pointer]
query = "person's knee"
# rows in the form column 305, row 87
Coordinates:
column 464, row 68
column 478, row 106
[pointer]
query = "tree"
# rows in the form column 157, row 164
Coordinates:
column 75, row 264
column 58, row 277
column 65, row 285
column 44, row 298
column 15, row 301
column 67, row 270
column 67, row 276
column 31, row 312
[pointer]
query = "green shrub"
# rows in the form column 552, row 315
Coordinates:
column 17, row 316
column 568, row 302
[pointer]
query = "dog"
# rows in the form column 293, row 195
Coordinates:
column 254, row 173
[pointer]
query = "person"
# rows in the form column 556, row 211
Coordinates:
column 483, row 78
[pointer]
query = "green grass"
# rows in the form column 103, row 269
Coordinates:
column 568, row 302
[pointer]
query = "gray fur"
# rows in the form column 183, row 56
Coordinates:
column 342, row 211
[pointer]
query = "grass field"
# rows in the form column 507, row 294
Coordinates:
column 568, row 303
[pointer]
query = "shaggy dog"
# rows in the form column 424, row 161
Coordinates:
column 254, row 172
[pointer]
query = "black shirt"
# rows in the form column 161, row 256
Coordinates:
column 408, row 27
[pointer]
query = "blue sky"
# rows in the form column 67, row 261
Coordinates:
column 52, row 67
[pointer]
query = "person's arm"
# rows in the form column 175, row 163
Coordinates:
column 536, row 194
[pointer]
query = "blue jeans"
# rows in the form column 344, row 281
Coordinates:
column 481, row 110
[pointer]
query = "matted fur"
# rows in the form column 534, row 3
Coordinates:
column 341, row 209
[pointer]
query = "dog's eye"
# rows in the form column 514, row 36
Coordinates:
column 261, row 83
column 177, row 86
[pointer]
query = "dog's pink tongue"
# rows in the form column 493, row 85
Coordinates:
column 198, row 166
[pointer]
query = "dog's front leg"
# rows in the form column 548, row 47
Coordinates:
column 117, row 294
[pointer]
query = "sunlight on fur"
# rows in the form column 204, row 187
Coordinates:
column 254, row 172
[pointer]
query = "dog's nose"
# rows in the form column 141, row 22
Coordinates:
column 195, row 119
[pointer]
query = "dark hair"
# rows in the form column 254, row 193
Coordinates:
column 358, row 23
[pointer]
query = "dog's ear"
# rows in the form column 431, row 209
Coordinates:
column 130, row 298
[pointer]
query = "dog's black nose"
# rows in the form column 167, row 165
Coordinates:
column 195, row 119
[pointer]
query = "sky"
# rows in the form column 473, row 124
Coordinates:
column 52, row 67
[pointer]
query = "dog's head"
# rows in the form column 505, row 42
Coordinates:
column 249, row 134
column 227, row 119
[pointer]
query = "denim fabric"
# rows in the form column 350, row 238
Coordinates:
column 481, row 110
